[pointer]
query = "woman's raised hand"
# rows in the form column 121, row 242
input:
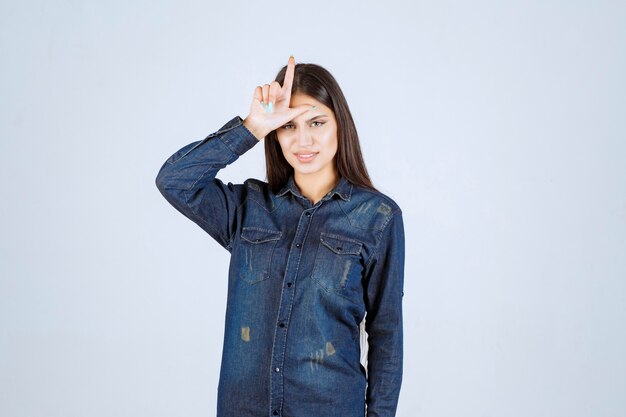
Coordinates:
column 270, row 105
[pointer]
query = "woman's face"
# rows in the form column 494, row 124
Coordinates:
column 309, row 142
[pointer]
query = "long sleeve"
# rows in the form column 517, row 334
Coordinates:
column 187, row 180
column 384, row 282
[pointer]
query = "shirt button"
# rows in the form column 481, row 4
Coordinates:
column 308, row 213
column 277, row 369
column 289, row 284
column 275, row 412
column 298, row 245
column 282, row 324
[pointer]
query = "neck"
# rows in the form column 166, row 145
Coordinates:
column 315, row 187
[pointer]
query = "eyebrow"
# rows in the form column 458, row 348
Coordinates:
column 318, row 116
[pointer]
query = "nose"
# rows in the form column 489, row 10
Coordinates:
column 304, row 138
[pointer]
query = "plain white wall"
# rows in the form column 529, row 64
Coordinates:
column 497, row 126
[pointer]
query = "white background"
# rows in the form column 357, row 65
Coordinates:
column 499, row 127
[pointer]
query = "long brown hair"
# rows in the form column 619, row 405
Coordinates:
column 315, row 81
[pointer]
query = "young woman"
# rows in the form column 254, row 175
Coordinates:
column 313, row 250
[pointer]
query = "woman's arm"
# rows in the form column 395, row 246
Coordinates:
column 383, row 296
column 187, row 180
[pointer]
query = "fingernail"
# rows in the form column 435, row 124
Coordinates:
column 262, row 104
column 271, row 107
column 312, row 108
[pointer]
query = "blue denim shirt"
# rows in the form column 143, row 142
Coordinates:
column 301, row 278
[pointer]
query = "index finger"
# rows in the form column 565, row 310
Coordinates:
column 291, row 68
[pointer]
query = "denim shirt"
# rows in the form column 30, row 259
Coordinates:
column 301, row 278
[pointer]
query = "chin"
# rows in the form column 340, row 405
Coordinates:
column 311, row 170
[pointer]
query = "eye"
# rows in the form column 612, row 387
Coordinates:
column 290, row 126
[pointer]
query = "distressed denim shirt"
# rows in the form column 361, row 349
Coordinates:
column 301, row 278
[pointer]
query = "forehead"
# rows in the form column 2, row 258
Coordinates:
column 300, row 99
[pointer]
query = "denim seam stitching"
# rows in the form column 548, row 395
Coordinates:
column 380, row 233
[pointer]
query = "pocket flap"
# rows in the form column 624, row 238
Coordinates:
column 341, row 245
column 259, row 235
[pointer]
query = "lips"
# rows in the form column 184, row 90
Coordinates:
column 306, row 156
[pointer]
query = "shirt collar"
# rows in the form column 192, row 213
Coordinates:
column 343, row 189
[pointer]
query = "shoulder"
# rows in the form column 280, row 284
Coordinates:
column 371, row 208
column 374, row 195
column 255, row 185
column 259, row 191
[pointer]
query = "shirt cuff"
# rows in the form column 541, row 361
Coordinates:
column 236, row 136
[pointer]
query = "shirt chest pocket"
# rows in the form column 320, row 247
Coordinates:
column 337, row 263
column 256, row 250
